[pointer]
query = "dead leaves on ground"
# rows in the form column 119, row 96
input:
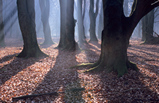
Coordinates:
column 20, row 77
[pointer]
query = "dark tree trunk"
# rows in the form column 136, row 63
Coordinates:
column 81, row 32
column 26, row 16
column 45, row 11
column 2, row 43
column 117, row 32
column 93, row 16
column 147, row 29
column 67, row 40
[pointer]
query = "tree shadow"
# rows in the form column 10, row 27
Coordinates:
column 130, row 88
column 60, row 78
column 14, row 66
column 92, row 50
column 145, row 61
column 7, row 58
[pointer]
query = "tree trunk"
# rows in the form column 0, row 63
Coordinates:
column 126, row 8
column 93, row 17
column 26, row 16
column 67, row 39
column 2, row 43
column 147, row 29
column 116, row 34
column 45, row 11
column 100, row 23
column 81, row 33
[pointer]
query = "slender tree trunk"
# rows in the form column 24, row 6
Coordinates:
column 67, row 39
column 81, row 33
column 2, row 43
column 147, row 29
column 100, row 23
column 93, row 16
column 45, row 11
column 83, row 15
column 26, row 16
column 126, row 7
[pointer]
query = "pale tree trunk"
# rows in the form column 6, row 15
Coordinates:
column 148, row 29
column 126, row 7
column 100, row 23
column 93, row 16
column 81, row 32
column 67, row 29
column 45, row 12
column 116, row 34
column 2, row 43
column 26, row 16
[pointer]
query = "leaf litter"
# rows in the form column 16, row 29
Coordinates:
column 20, row 77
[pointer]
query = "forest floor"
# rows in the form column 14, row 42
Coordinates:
column 20, row 77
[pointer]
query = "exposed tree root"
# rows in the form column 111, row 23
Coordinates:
column 82, row 65
column 153, row 40
column 99, row 66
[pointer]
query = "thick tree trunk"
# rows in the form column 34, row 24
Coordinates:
column 93, row 17
column 45, row 11
column 81, row 33
column 114, row 40
column 2, row 43
column 67, row 39
column 116, row 34
column 26, row 16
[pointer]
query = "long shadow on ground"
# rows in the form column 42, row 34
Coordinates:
column 60, row 78
column 15, row 66
column 130, row 88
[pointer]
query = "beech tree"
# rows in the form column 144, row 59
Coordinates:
column 2, row 43
column 45, row 11
column 148, row 29
column 93, row 16
column 117, row 32
column 67, row 29
column 100, row 23
column 26, row 16
column 81, row 32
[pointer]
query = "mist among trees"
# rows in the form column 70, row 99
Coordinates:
column 79, row 50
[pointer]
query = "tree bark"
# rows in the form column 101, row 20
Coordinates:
column 26, row 16
column 148, row 29
column 100, row 23
column 2, row 43
column 67, row 39
column 117, row 32
column 93, row 16
column 45, row 11
column 81, row 33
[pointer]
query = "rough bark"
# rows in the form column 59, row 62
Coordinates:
column 45, row 12
column 93, row 16
column 26, row 16
column 67, row 39
column 2, row 43
column 81, row 33
column 117, row 32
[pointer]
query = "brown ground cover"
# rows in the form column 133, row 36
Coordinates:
column 20, row 77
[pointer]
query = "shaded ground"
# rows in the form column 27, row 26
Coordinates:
column 20, row 77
